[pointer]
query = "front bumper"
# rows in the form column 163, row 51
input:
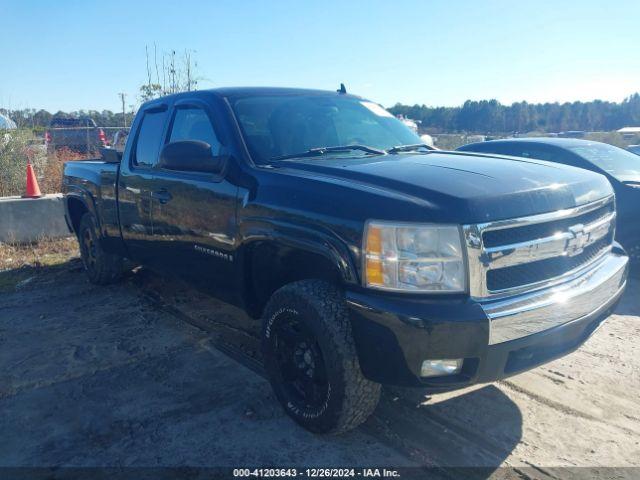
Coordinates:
column 394, row 334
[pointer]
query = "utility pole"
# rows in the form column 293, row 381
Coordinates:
column 124, row 114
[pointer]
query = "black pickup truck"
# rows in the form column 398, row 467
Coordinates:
column 369, row 259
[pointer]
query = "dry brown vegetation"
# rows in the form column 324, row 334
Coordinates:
column 50, row 179
column 20, row 147
column 40, row 254
column 21, row 262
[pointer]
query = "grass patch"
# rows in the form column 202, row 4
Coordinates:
column 19, row 262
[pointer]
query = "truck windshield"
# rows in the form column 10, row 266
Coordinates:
column 276, row 126
column 615, row 161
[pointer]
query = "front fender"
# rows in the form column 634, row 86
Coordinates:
column 317, row 240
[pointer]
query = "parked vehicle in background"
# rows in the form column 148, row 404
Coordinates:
column 427, row 139
column 120, row 139
column 78, row 135
column 634, row 149
column 369, row 257
column 410, row 123
column 621, row 167
column 572, row 134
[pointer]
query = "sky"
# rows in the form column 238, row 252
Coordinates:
column 69, row 55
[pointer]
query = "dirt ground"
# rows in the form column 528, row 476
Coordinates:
column 150, row 373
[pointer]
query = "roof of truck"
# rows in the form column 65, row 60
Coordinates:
column 236, row 92
column 242, row 91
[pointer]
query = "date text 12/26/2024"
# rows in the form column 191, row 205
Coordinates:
column 316, row 472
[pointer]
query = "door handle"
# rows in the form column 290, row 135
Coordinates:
column 163, row 196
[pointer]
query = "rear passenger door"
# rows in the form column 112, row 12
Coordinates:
column 135, row 182
column 194, row 222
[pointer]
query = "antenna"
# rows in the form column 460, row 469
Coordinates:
column 342, row 90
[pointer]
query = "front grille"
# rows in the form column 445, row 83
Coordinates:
column 507, row 236
column 541, row 270
column 510, row 256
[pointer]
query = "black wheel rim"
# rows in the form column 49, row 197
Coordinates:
column 300, row 364
column 89, row 249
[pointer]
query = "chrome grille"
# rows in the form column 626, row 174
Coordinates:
column 509, row 256
column 506, row 236
column 526, row 273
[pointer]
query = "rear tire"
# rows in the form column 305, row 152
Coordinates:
column 102, row 268
column 311, row 360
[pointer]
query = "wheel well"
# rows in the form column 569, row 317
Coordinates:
column 76, row 210
column 269, row 267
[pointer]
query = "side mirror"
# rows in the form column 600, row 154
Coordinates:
column 190, row 156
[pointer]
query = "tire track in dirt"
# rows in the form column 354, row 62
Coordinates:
column 88, row 373
column 415, row 432
column 560, row 407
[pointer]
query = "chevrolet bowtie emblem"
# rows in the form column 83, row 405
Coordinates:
column 579, row 240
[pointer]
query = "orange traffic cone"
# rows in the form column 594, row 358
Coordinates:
column 33, row 190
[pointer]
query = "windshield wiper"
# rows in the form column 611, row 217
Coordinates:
column 312, row 152
column 410, row 148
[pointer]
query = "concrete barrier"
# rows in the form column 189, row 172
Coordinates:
column 24, row 220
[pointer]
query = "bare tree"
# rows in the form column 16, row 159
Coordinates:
column 155, row 60
column 179, row 74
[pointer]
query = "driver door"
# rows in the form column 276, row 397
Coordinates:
column 193, row 213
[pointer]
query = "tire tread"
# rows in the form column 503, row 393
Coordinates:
column 360, row 394
column 109, row 266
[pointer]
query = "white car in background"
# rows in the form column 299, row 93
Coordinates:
column 634, row 149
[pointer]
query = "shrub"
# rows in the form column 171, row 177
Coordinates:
column 16, row 147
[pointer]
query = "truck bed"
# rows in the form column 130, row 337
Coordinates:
column 95, row 178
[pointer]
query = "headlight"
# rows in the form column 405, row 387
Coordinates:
column 413, row 257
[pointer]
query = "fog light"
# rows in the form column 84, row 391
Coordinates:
column 438, row 368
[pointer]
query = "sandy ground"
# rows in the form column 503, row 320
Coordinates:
column 147, row 373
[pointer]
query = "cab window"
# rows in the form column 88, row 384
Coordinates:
column 148, row 141
column 194, row 124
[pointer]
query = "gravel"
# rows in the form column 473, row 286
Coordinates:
column 150, row 373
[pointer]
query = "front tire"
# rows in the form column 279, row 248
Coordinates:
column 311, row 360
column 102, row 268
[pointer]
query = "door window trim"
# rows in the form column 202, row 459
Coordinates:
column 158, row 108
column 204, row 176
column 187, row 103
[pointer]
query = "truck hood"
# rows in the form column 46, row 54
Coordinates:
column 470, row 187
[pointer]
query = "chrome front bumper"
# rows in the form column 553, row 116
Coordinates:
column 591, row 292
